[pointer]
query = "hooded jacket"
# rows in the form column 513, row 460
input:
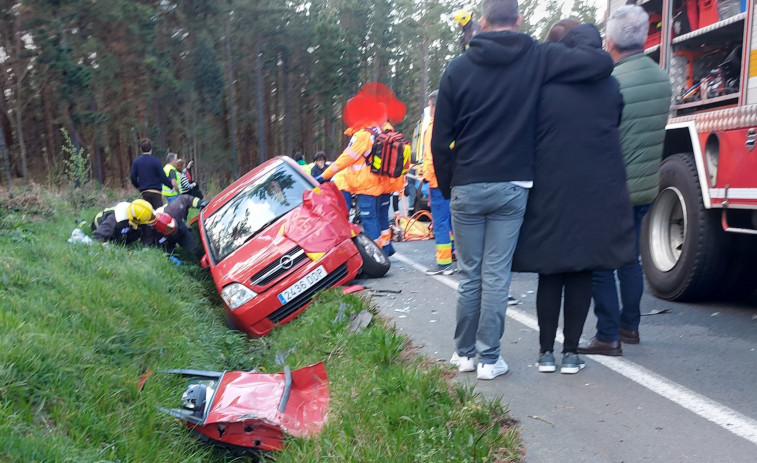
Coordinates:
column 579, row 215
column 487, row 105
column 646, row 92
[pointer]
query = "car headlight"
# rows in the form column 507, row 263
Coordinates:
column 235, row 295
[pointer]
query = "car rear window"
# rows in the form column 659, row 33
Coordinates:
column 261, row 203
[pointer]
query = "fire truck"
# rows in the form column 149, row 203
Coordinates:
column 699, row 239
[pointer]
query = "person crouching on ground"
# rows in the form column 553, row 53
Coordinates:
column 124, row 223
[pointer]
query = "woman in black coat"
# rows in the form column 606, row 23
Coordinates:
column 579, row 215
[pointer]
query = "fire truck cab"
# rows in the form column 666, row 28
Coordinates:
column 699, row 239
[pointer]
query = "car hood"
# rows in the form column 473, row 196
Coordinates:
column 318, row 225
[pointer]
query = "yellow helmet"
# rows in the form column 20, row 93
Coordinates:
column 140, row 212
column 462, row 17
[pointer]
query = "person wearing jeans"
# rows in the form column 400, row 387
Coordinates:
column 486, row 218
column 612, row 320
column 646, row 92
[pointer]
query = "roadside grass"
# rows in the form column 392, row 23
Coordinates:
column 80, row 324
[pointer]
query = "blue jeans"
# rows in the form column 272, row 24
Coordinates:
column 610, row 317
column 170, row 199
column 486, row 218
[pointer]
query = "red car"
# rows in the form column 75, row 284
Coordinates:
column 274, row 238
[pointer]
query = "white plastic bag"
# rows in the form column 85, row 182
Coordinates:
column 78, row 236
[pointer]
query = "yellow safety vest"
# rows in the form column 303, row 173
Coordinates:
column 168, row 192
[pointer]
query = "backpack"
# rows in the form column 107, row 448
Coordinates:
column 390, row 155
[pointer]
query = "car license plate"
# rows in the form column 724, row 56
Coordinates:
column 302, row 285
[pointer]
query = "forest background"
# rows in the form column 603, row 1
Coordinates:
column 227, row 83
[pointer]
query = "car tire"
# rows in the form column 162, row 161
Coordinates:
column 683, row 246
column 375, row 261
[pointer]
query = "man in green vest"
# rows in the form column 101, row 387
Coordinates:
column 173, row 174
column 646, row 92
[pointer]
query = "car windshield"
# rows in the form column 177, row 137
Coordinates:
column 261, row 203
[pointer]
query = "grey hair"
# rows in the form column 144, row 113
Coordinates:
column 628, row 27
column 499, row 13
column 171, row 157
column 432, row 97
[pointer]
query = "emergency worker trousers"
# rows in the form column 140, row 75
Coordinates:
column 486, row 218
column 374, row 217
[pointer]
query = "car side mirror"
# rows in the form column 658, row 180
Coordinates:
column 204, row 261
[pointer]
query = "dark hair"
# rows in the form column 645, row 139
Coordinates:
column 320, row 155
column 146, row 145
column 560, row 28
column 499, row 13
column 297, row 156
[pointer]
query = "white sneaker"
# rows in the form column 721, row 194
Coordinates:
column 492, row 370
column 463, row 364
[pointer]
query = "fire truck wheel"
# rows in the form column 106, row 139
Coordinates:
column 375, row 262
column 683, row 247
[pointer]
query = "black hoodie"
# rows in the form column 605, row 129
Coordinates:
column 487, row 105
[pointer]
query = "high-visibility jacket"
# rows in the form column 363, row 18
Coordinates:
column 172, row 174
column 357, row 177
column 429, row 174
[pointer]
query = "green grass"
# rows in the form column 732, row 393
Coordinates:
column 80, row 324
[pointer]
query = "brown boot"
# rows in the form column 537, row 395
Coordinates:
column 629, row 337
column 599, row 347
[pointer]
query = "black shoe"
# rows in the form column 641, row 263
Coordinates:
column 599, row 347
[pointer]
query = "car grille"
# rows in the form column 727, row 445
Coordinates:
column 295, row 304
column 275, row 269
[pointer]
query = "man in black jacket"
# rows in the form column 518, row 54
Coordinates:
column 147, row 175
column 487, row 107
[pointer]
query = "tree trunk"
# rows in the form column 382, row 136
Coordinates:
column 288, row 110
column 47, row 102
column 6, row 160
column 262, row 156
column 423, row 84
column 232, row 102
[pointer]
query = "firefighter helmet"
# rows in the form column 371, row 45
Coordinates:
column 461, row 17
column 140, row 212
column 165, row 224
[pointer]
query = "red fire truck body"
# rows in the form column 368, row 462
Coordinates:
column 699, row 238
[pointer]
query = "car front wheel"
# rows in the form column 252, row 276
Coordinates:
column 375, row 262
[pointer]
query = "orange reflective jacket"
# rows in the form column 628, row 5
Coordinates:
column 356, row 176
column 429, row 174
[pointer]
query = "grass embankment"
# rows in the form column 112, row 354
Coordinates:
column 80, row 324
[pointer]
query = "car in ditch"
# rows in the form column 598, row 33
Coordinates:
column 274, row 238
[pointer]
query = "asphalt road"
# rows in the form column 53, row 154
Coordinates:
column 687, row 393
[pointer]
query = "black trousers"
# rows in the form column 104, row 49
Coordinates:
column 548, row 300
column 154, row 198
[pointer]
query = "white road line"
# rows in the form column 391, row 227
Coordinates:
column 723, row 416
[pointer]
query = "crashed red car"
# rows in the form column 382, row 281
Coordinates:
column 274, row 238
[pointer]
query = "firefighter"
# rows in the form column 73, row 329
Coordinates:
column 468, row 27
column 365, row 116
column 124, row 223
column 172, row 228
